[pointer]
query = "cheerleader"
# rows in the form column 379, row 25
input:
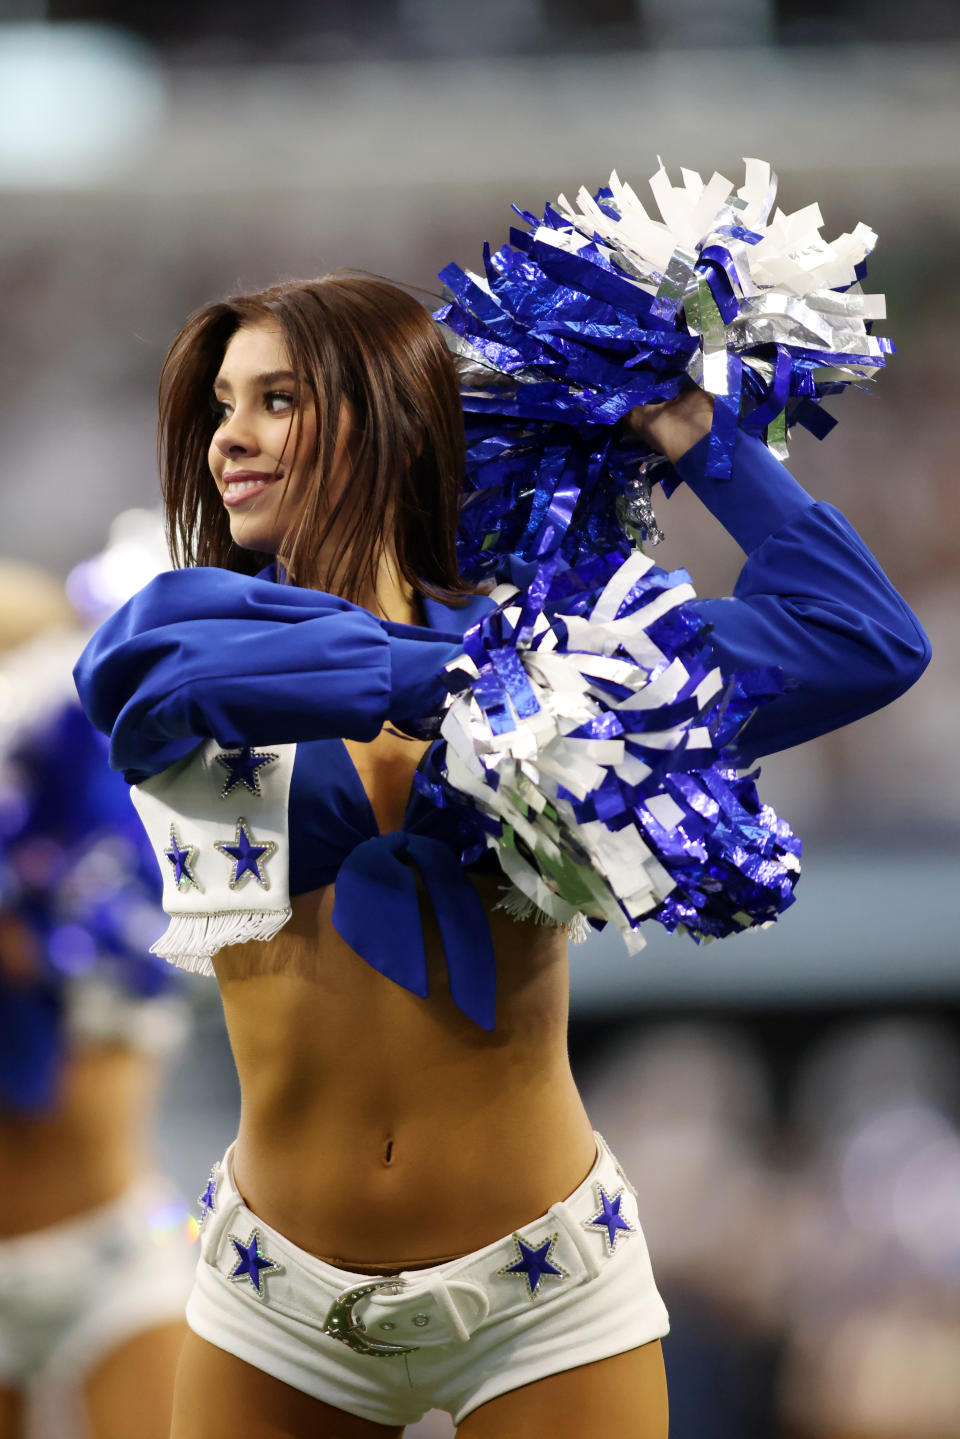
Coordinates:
column 416, row 1212
column 94, row 1250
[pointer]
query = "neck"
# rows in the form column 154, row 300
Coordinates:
column 392, row 598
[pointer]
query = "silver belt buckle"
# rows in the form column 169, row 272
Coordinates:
column 342, row 1324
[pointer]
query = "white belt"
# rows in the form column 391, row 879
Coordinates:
column 446, row 1303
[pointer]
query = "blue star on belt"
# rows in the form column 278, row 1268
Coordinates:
column 243, row 767
column 533, row 1263
column 208, row 1199
column 608, row 1218
column 181, row 857
column 248, row 855
column 252, row 1262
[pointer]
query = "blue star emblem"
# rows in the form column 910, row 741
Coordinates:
column 243, row 767
column 252, row 1263
column 208, row 1199
column 533, row 1263
column 248, row 856
column 608, row 1218
column 181, row 857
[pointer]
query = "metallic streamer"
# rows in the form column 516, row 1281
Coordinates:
column 591, row 752
column 597, row 307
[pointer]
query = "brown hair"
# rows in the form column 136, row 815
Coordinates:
column 352, row 339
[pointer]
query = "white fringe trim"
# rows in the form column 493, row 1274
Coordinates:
column 520, row 906
column 191, row 940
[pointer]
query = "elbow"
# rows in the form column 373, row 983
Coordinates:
column 907, row 658
column 885, row 672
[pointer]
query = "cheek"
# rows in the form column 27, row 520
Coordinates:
column 287, row 444
column 299, row 445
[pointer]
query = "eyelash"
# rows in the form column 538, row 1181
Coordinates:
column 218, row 407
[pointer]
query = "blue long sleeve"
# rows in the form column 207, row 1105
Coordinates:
column 205, row 653
column 810, row 599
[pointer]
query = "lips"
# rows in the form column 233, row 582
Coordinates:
column 245, row 485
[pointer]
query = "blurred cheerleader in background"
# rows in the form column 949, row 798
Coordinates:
column 95, row 1255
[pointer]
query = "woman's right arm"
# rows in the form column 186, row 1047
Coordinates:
column 205, row 653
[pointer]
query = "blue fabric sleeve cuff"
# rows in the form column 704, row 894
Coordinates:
column 417, row 682
column 760, row 497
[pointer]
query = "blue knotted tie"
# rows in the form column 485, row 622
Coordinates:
column 375, row 911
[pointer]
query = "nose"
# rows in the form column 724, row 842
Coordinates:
column 234, row 437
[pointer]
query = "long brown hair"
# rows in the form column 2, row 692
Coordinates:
column 354, row 340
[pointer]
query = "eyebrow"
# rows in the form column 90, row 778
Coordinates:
column 270, row 377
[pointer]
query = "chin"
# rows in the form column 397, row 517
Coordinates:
column 262, row 541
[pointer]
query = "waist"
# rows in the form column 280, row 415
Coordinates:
column 86, row 1151
column 574, row 1241
column 371, row 1190
column 361, row 1099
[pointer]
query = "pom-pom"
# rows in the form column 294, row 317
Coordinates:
column 599, row 308
column 586, row 734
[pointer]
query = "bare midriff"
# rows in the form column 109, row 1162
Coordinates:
column 380, row 1130
column 86, row 1150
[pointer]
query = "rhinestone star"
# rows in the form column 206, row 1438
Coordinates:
column 181, row 858
column 248, row 855
column 244, row 767
column 608, row 1218
column 208, row 1199
column 252, row 1263
column 533, row 1263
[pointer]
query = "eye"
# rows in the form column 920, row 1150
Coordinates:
column 218, row 408
column 282, row 395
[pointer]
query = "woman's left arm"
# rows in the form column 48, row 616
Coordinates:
column 811, row 599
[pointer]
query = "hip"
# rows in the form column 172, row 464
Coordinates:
column 566, row 1288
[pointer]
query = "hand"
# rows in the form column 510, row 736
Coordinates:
column 674, row 426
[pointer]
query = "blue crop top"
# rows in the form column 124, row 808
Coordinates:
column 207, row 654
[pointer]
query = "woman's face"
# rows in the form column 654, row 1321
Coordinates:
column 261, row 452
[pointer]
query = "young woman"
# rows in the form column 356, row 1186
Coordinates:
column 94, row 1255
column 416, row 1212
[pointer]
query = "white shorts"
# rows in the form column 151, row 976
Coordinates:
column 72, row 1292
column 569, row 1288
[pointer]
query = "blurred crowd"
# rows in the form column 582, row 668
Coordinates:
column 820, row 1236
column 806, row 1235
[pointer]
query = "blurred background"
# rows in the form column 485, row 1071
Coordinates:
column 788, row 1103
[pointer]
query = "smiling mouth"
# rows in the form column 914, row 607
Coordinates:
column 247, row 487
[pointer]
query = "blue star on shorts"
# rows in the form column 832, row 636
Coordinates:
column 252, row 1263
column 208, row 1199
column 608, row 1218
column 533, row 1263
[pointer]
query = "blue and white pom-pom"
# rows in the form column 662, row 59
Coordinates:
column 600, row 308
column 586, row 735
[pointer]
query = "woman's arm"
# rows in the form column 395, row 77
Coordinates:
column 810, row 598
column 207, row 653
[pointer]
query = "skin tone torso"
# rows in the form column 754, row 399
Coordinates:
column 376, row 1097
column 359, row 1098
column 83, row 1153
